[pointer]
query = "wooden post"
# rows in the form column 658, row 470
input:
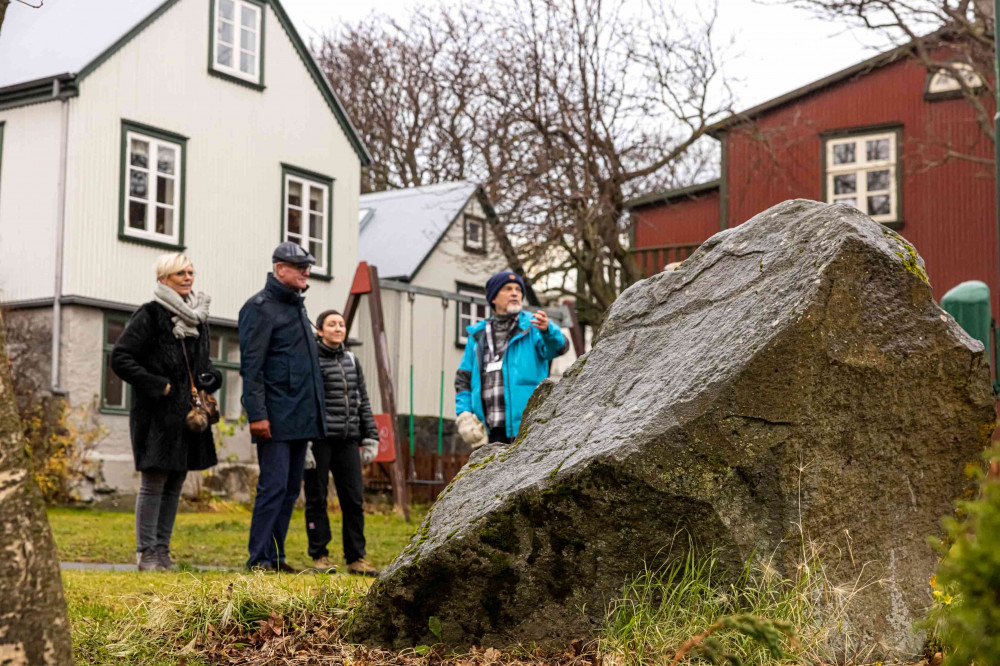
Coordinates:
column 399, row 495
column 360, row 286
column 575, row 332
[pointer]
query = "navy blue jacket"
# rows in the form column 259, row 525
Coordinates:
column 279, row 365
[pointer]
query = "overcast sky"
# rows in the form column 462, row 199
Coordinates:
column 782, row 48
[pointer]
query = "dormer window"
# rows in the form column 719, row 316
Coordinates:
column 943, row 84
column 475, row 234
column 238, row 40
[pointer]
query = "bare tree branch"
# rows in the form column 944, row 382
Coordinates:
column 563, row 109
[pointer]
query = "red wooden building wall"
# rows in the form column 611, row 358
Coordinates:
column 947, row 210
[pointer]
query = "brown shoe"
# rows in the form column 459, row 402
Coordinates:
column 324, row 565
column 361, row 567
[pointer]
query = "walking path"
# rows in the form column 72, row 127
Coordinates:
column 103, row 566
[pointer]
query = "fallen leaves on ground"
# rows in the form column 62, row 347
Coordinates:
column 314, row 641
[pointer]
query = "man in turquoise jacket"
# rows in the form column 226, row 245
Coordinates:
column 506, row 357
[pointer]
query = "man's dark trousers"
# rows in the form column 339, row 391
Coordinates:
column 278, row 486
column 341, row 457
column 499, row 434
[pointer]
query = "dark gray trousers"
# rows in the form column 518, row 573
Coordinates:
column 156, row 508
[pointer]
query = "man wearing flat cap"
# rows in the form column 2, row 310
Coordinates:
column 282, row 395
column 506, row 358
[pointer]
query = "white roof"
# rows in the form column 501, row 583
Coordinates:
column 63, row 36
column 399, row 228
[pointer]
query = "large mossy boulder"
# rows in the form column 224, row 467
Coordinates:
column 794, row 372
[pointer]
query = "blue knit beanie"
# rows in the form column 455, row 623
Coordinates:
column 497, row 282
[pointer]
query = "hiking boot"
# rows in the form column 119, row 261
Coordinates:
column 166, row 563
column 361, row 567
column 285, row 567
column 324, row 565
column 148, row 560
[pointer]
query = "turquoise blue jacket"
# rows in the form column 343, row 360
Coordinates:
column 525, row 365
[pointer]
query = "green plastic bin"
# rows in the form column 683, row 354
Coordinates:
column 969, row 304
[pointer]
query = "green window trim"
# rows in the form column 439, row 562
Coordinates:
column 106, row 347
column 167, row 137
column 2, row 123
column 323, row 181
column 468, row 220
column 257, row 85
column 228, row 338
column 469, row 290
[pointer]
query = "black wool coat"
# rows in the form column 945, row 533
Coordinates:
column 148, row 356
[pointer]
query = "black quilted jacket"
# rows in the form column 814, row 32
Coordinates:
column 348, row 411
column 148, row 356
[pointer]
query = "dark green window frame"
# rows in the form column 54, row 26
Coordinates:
column 1, row 150
column 254, row 85
column 106, row 347
column 161, row 135
column 323, row 181
column 466, row 222
column 467, row 290
column 227, row 340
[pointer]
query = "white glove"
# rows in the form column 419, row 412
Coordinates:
column 310, row 458
column 369, row 449
column 472, row 430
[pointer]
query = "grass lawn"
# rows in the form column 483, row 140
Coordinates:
column 124, row 617
column 214, row 539
column 112, row 612
column 194, row 617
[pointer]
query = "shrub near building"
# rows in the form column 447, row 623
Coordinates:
column 966, row 612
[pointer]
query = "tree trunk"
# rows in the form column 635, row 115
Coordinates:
column 34, row 628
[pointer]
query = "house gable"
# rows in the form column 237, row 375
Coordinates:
column 240, row 143
column 69, row 83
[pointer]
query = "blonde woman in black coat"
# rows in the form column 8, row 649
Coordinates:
column 149, row 356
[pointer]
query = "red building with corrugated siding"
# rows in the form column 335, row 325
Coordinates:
column 882, row 136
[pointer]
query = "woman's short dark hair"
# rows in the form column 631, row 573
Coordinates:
column 321, row 319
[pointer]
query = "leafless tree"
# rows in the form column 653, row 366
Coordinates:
column 952, row 36
column 564, row 109
column 5, row 3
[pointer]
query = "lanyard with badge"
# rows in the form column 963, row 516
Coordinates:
column 495, row 361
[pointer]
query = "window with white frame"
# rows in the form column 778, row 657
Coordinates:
column 475, row 234
column 861, row 172
column 237, row 39
column 306, row 218
column 152, row 192
column 469, row 313
column 943, row 81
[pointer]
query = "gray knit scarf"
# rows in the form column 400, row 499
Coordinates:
column 186, row 313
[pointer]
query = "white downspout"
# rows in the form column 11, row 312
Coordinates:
column 60, row 226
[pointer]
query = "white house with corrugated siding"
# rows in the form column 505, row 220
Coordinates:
column 437, row 237
column 129, row 129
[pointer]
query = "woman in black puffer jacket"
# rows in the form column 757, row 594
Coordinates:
column 350, row 424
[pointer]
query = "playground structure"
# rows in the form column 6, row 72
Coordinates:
column 422, row 370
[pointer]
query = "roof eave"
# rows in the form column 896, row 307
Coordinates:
column 58, row 86
column 863, row 67
column 667, row 195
